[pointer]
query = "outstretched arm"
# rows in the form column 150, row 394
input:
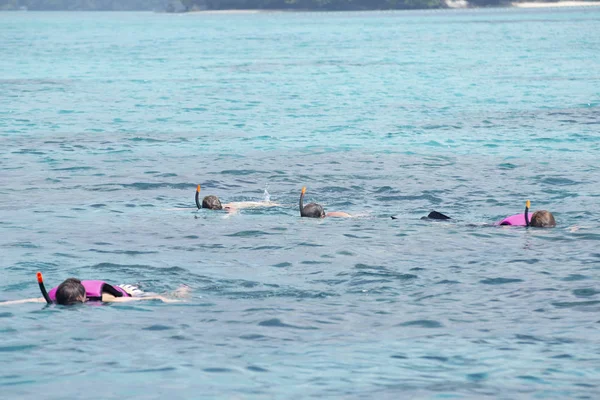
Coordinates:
column 250, row 204
column 112, row 299
column 22, row 301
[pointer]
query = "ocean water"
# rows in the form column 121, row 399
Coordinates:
column 108, row 121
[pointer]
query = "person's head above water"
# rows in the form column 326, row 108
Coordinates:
column 211, row 202
column 542, row 219
column 69, row 292
column 312, row 210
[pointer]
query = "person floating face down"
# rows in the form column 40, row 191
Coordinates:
column 74, row 291
column 539, row 219
column 212, row 202
column 314, row 210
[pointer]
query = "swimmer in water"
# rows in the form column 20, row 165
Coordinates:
column 213, row 203
column 73, row 291
column 539, row 219
column 314, row 210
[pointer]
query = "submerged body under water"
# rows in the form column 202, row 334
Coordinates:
column 110, row 120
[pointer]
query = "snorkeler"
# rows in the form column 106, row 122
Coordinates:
column 213, row 203
column 73, row 291
column 314, row 210
column 539, row 219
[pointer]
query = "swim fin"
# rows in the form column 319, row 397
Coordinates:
column 432, row 215
column 437, row 215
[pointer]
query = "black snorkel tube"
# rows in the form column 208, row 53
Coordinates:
column 197, row 197
column 40, row 280
column 302, row 201
column 527, row 205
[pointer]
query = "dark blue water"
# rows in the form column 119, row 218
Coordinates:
column 108, row 121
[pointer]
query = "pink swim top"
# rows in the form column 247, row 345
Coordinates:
column 94, row 290
column 514, row 220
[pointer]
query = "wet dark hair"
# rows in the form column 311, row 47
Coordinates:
column 69, row 292
column 312, row 210
column 542, row 219
column 212, row 202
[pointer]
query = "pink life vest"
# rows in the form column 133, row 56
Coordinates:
column 515, row 220
column 94, row 290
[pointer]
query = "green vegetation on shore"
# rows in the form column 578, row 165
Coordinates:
column 195, row 5
column 313, row 4
column 88, row 5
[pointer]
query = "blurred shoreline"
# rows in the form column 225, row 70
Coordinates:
column 556, row 4
column 448, row 4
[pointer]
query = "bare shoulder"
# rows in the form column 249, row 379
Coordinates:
column 338, row 214
column 108, row 297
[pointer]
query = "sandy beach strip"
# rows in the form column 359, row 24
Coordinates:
column 233, row 11
column 556, row 4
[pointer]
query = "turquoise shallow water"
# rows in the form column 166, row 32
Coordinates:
column 109, row 120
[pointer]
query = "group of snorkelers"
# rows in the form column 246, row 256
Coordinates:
column 73, row 291
column 540, row 218
column 312, row 210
